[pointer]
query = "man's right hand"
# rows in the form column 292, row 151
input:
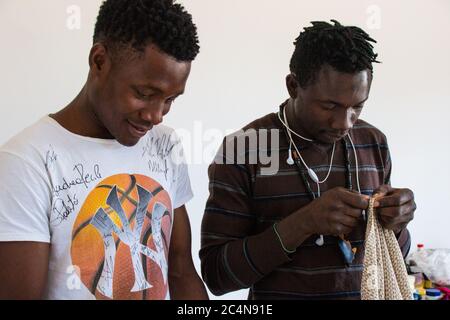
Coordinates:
column 336, row 212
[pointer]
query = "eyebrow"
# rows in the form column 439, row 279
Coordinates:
column 156, row 89
column 340, row 104
column 147, row 87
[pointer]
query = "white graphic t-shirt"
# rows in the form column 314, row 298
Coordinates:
column 106, row 209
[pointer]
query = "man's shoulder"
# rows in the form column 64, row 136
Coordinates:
column 366, row 133
column 29, row 139
column 265, row 122
column 24, row 151
column 235, row 143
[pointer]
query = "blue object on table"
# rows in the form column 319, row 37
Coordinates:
column 346, row 249
column 433, row 292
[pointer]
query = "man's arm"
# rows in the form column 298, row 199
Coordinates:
column 404, row 241
column 25, row 200
column 184, row 282
column 401, row 232
column 23, row 269
column 234, row 256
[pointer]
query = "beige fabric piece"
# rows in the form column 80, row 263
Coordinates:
column 384, row 275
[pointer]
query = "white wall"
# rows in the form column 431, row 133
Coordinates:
column 239, row 76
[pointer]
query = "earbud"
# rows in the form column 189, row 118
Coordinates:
column 320, row 241
column 289, row 160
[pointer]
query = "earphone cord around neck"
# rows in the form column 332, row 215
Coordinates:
column 304, row 173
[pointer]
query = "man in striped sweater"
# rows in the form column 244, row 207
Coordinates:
column 278, row 232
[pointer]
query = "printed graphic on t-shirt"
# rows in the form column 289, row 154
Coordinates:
column 121, row 236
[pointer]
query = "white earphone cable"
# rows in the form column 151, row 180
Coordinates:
column 320, row 240
column 289, row 129
column 356, row 162
column 286, row 124
column 357, row 171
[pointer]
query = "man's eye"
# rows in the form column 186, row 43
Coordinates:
column 329, row 106
column 142, row 95
column 170, row 100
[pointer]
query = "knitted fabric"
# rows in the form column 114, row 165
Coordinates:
column 384, row 275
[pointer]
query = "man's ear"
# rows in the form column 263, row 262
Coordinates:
column 292, row 85
column 99, row 60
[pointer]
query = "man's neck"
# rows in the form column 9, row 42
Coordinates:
column 294, row 121
column 78, row 117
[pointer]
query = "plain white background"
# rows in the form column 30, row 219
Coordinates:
column 239, row 76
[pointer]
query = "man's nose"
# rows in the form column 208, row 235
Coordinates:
column 153, row 114
column 344, row 120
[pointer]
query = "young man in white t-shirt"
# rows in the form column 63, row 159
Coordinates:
column 93, row 196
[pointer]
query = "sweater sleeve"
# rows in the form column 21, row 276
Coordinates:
column 403, row 237
column 233, row 255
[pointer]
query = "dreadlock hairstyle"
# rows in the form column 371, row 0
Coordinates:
column 345, row 48
column 137, row 23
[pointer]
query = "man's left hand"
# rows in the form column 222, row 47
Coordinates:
column 395, row 207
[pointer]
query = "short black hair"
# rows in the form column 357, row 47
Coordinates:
column 345, row 48
column 137, row 23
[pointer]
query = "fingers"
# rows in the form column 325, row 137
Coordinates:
column 355, row 200
column 340, row 229
column 395, row 217
column 392, row 212
column 382, row 191
column 344, row 222
column 395, row 208
column 353, row 213
column 348, row 221
column 397, row 198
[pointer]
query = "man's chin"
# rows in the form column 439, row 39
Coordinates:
column 130, row 142
column 328, row 139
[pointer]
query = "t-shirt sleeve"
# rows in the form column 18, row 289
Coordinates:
column 182, row 184
column 25, row 201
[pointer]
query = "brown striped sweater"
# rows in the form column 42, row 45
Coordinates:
column 239, row 248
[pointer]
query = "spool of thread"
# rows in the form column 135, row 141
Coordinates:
column 433, row 294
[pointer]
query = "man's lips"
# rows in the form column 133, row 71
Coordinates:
column 336, row 135
column 139, row 130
